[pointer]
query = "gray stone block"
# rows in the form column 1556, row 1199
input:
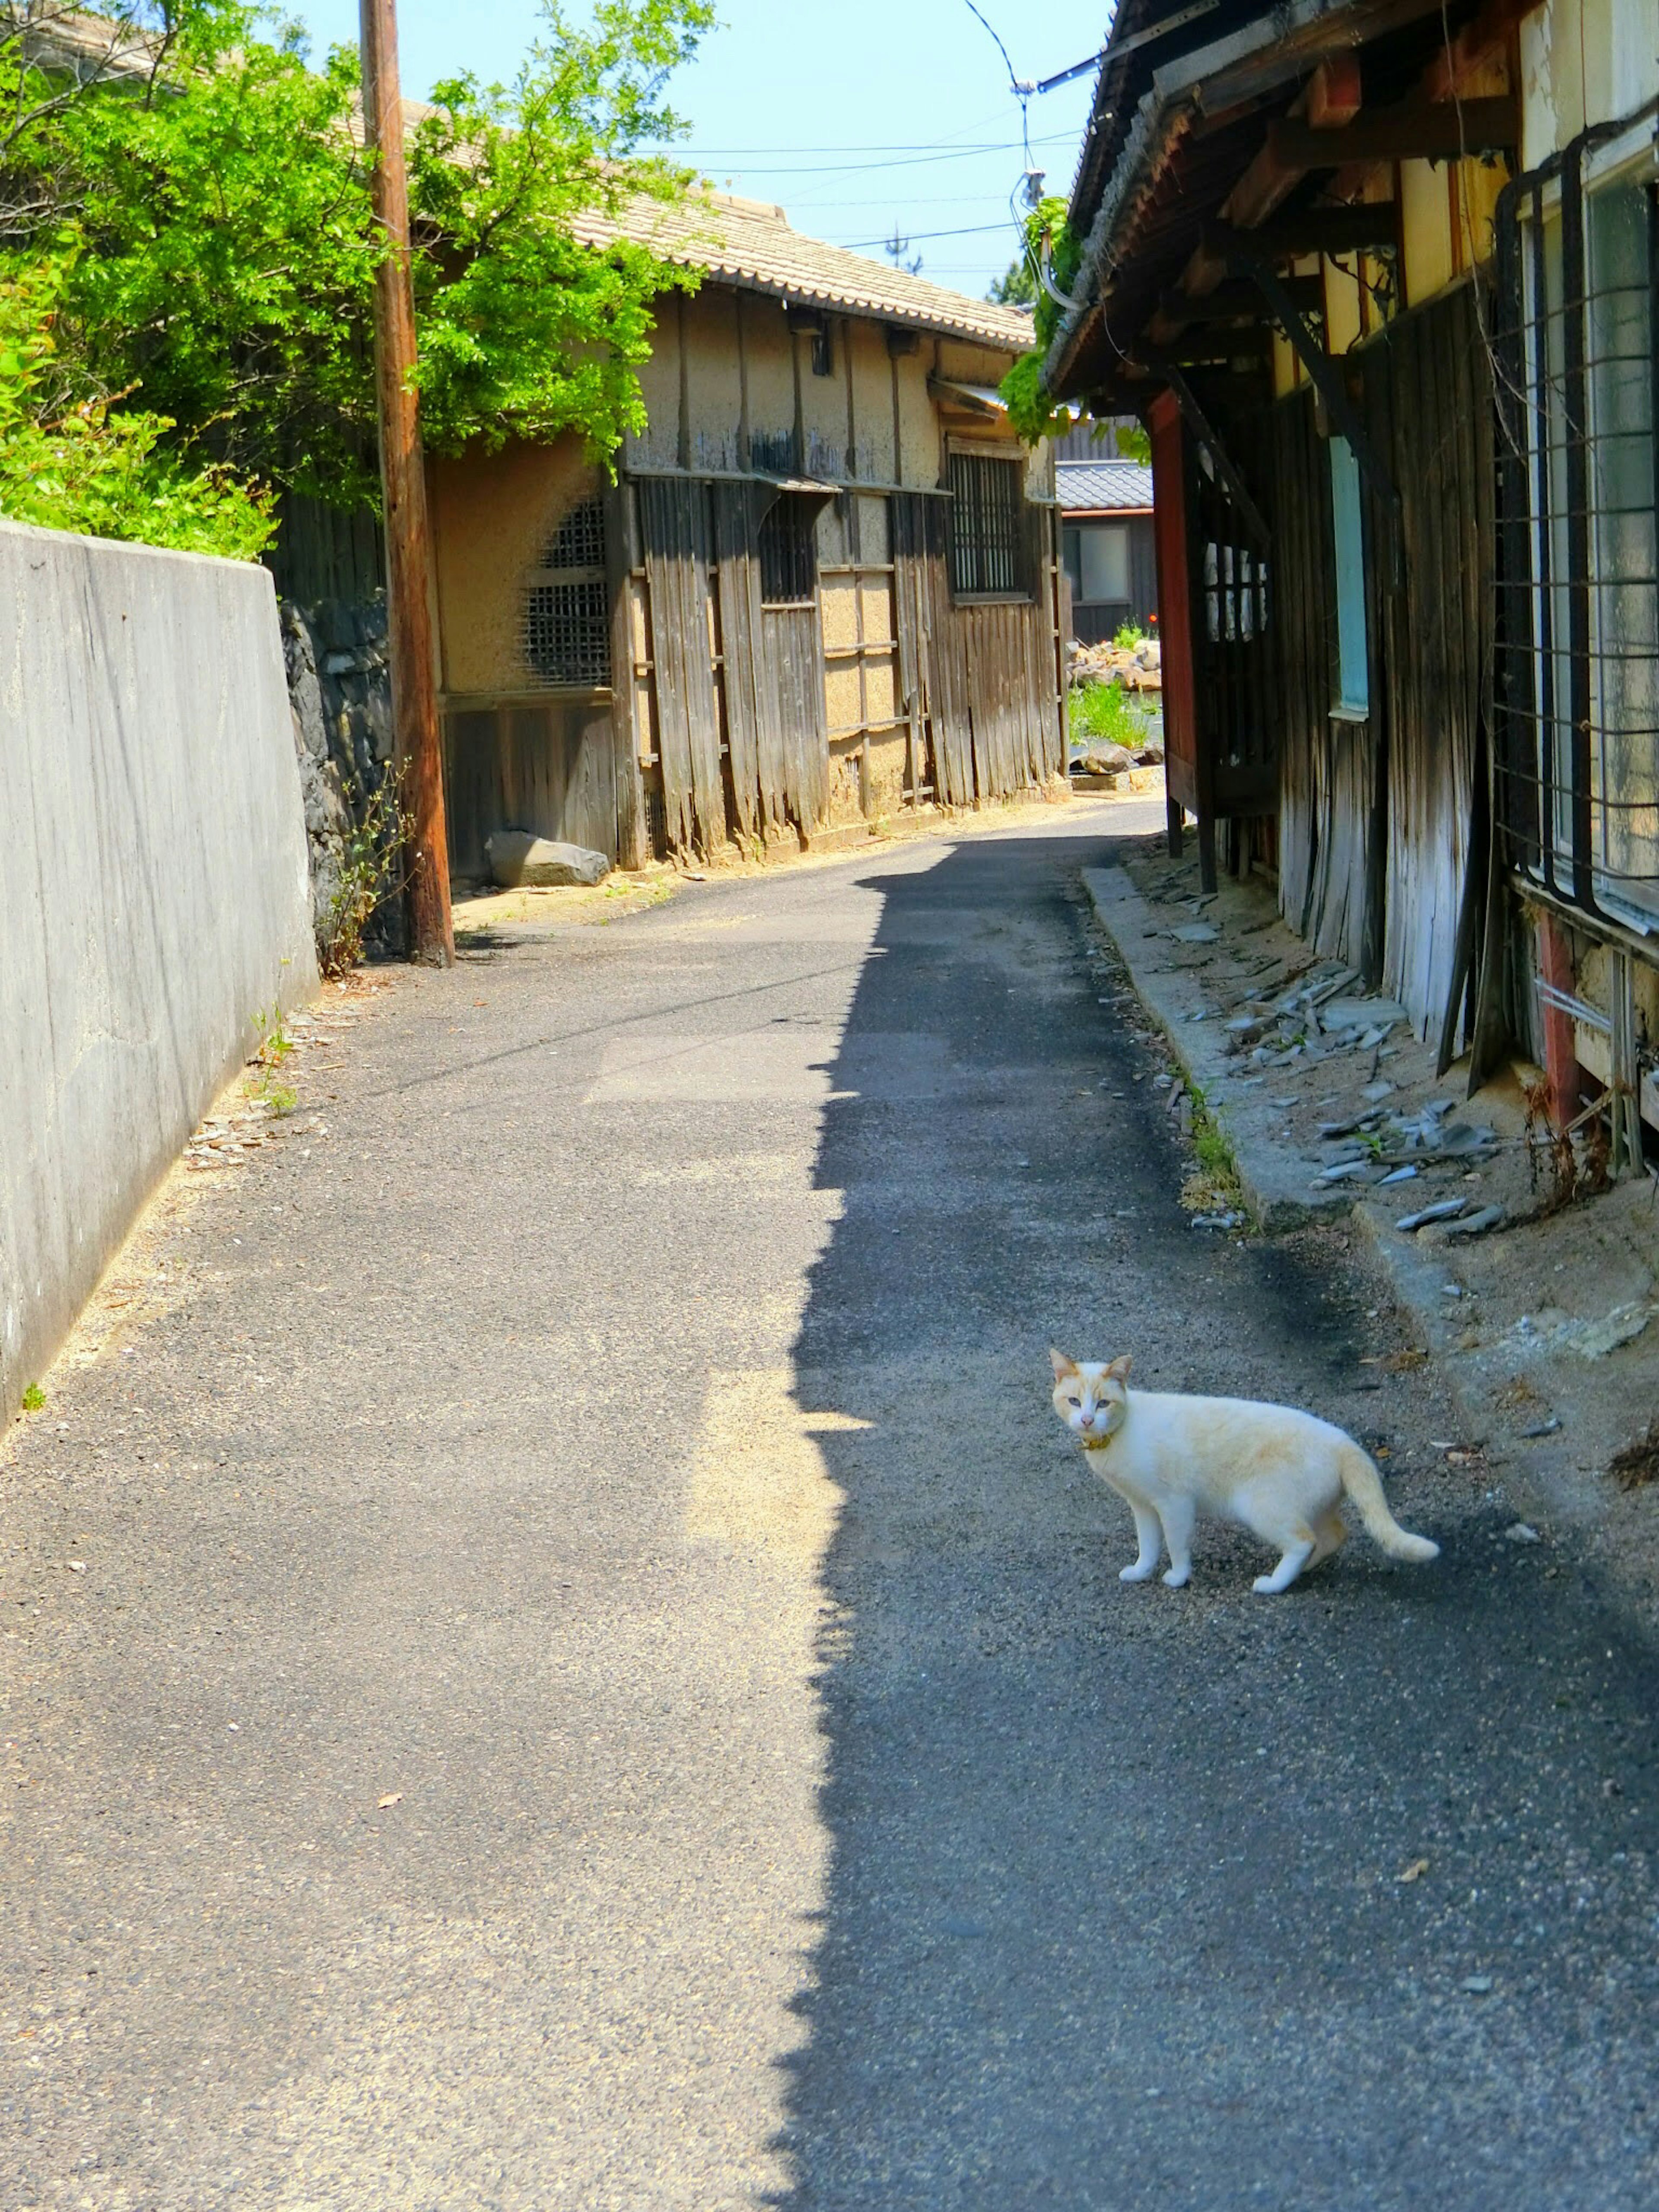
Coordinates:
column 518, row 858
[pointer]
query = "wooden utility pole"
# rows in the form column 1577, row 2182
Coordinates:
column 429, row 931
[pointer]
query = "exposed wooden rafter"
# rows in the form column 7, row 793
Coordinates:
column 1370, row 228
column 1417, row 130
column 1234, row 301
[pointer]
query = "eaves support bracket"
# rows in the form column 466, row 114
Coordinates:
column 1199, row 423
column 1326, row 380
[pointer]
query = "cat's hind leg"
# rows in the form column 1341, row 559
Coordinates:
column 1178, row 1514
column 1299, row 1548
column 1265, row 1512
column 1330, row 1533
column 1148, row 1535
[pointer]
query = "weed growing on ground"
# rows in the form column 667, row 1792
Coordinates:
column 1129, row 636
column 371, row 874
column 1101, row 713
column 275, row 1045
column 33, row 1397
column 1215, row 1187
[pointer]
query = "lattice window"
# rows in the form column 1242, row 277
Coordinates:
column 1577, row 692
column 789, row 552
column 567, row 605
column 990, row 545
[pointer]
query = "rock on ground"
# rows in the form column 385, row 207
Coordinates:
column 517, row 859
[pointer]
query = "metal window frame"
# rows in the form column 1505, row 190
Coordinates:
column 1535, row 772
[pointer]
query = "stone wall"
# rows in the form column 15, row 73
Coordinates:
column 335, row 653
column 154, row 893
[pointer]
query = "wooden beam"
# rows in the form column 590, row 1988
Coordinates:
column 1366, row 228
column 1418, row 130
column 1236, row 301
column 1328, row 102
column 1333, row 96
column 1478, row 43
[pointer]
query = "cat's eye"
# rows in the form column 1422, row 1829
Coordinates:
column 1073, row 1401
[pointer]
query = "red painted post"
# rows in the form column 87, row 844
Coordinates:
column 1555, row 964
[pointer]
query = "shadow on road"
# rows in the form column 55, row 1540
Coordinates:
column 1141, row 1899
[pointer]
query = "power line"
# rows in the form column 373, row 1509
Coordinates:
column 856, row 168
column 971, row 230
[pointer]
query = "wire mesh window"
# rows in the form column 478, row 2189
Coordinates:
column 1577, row 694
column 990, row 555
column 789, row 552
column 567, row 605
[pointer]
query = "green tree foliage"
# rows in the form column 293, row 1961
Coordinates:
column 71, row 460
column 1016, row 287
column 225, row 278
column 1048, row 240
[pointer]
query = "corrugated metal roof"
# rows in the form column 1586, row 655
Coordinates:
column 1095, row 487
column 750, row 243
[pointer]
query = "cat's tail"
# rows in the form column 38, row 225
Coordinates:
column 1364, row 1486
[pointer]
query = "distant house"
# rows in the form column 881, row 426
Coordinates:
column 1107, row 544
column 824, row 586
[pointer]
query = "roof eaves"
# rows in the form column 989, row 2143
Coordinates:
column 1175, row 102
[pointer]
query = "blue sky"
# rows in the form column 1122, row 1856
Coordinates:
column 853, row 115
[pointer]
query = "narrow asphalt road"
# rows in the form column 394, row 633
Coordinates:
column 567, row 1662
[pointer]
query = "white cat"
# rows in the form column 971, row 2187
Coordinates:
column 1280, row 1472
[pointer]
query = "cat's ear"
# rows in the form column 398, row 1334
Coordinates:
column 1062, row 1365
column 1119, row 1369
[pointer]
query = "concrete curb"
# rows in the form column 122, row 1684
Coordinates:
column 1274, row 1183
column 1541, row 1479
column 1274, row 1186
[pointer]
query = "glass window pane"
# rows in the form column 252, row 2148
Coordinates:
column 1105, row 556
column 1353, row 700
column 1624, row 609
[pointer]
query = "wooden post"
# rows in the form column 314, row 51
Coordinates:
column 431, row 935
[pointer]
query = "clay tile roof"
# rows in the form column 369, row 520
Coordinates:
column 1101, row 487
column 749, row 243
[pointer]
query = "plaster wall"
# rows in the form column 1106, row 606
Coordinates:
column 872, row 400
column 713, row 384
column 769, row 353
column 492, row 516
column 658, row 445
column 1584, row 62
column 1426, row 230
column 920, row 452
column 155, row 894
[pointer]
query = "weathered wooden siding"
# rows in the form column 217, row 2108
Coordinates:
column 1429, row 393
column 983, row 675
column 1375, row 817
column 548, row 765
column 675, row 525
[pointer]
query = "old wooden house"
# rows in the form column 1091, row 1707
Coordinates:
column 1379, row 275
column 822, row 586
column 1106, row 540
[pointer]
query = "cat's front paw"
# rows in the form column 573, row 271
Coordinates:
column 1178, row 1578
column 1141, row 1572
column 1265, row 1586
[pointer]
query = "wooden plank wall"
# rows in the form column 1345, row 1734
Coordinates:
column 676, row 527
column 1330, row 888
column 1375, row 817
column 985, row 675
column 548, row 766
column 978, row 683
column 753, row 738
column 1432, row 391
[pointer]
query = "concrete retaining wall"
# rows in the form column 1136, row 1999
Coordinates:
column 153, row 893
